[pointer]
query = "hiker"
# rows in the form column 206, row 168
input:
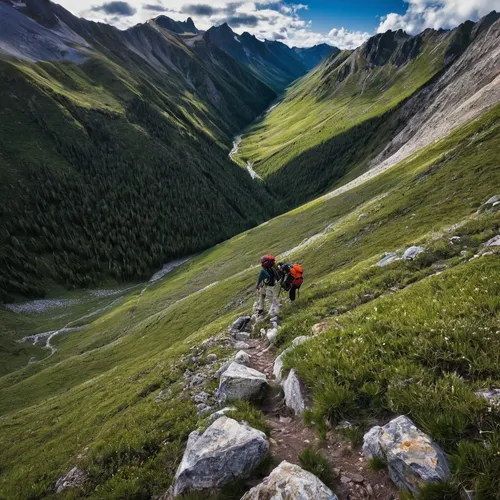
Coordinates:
column 291, row 278
column 267, row 280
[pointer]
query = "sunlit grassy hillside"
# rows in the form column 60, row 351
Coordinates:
column 434, row 321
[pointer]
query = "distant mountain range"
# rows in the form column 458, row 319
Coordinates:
column 273, row 62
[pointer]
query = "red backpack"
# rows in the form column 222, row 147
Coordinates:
column 297, row 273
column 267, row 261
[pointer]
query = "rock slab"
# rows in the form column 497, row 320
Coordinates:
column 226, row 451
column 413, row 252
column 73, row 479
column 294, row 393
column 290, row 482
column 240, row 382
column 412, row 457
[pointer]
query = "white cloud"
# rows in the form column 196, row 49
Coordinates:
column 422, row 14
column 266, row 19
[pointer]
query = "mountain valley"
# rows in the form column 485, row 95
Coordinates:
column 377, row 169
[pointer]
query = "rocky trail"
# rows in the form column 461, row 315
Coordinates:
column 289, row 436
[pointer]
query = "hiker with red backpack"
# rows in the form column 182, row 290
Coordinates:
column 291, row 278
column 266, row 282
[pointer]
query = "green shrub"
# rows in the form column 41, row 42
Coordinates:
column 312, row 460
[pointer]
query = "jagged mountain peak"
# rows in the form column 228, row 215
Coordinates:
column 178, row 27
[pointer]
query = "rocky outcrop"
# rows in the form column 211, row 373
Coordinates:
column 226, row 451
column 75, row 478
column 295, row 397
column 492, row 201
column 290, row 482
column 493, row 242
column 413, row 252
column 412, row 457
column 240, row 382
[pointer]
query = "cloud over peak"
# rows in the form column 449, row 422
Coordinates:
column 116, row 8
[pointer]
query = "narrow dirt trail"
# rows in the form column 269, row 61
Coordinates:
column 289, row 436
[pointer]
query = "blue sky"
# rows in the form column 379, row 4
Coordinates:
column 354, row 15
column 304, row 23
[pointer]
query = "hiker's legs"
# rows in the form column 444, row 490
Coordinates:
column 273, row 299
column 262, row 298
column 293, row 292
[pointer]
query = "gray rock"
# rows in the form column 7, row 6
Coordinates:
column 75, row 478
column 240, row 382
column 294, row 393
column 494, row 199
column 413, row 252
column 242, row 358
column 203, row 408
column 491, row 395
column 290, row 482
column 211, row 358
column 300, row 340
column 241, row 328
column 494, row 242
column 241, row 345
column 278, row 365
column 197, row 379
column 412, row 457
column 226, row 451
column 455, row 239
column 201, row 397
column 388, row 258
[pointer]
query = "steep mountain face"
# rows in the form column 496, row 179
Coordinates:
column 118, row 160
column 334, row 122
column 273, row 62
column 312, row 56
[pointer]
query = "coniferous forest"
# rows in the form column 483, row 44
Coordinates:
column 112, row 190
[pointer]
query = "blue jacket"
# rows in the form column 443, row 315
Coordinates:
column 264, row 277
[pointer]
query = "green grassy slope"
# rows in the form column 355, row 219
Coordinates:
column 113, row 167
column 92, row 404
column 337, row 118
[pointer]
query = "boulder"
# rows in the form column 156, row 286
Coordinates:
column 412, row 457
column 222, row 369
column 494, row 242
column 413, row 252
column 75, row 478
column 494, row 199
column 388, row 258
column 240, row 329
column 226, row 451
column 290, row 482
column 242, row 358
column 240, row 382
column 294, row 393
